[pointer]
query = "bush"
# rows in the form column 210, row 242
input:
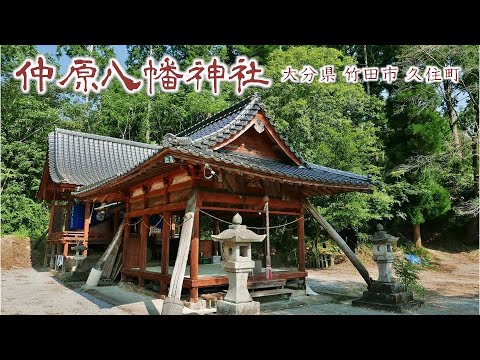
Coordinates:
column 408, row 274
column 21, row 215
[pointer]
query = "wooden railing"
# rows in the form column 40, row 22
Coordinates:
column 74, row 236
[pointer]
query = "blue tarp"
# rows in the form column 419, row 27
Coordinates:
column 77, row 217
column 413, row 259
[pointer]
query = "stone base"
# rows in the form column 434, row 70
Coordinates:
column 387, row 296
column 228, row 308
column 172, row 306
column 398, row 308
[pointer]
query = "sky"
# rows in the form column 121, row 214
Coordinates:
column 120, row 54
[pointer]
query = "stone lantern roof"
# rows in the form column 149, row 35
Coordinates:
column 238, row 233
column 382, row 237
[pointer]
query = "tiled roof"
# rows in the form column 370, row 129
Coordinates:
column 83, row 159
column 227, row 123
column 310, row 172
column 92, row 160
column 224, row 124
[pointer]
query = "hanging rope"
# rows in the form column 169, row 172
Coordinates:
column 138, row 222
column 159, row 221
column 251, row 227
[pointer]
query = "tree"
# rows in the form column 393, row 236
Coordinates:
column 26, row 121
column 334, row 125
column 449, row 92
column 417, row 132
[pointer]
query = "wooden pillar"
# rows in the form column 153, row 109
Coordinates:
column 126, row 239
column 67, row 214
column 194, row 247
column 301, row 241
column 264, row 225
column 216, row 231
column 86, row 226
column 116, row 220
column 144, row 229
column 166, row 230
column 65, row 225
column 46, row 259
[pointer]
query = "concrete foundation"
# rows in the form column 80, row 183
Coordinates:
column 228, row 308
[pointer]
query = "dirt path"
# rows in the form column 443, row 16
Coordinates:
column 27, row 291
column 452, row 288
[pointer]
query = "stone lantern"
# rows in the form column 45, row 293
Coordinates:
column 385, row 293
column 382, row 254
column 236, row 244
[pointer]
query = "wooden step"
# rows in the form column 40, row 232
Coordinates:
column 271, row 292
column 266, row 284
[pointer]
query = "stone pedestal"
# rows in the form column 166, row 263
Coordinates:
column 387, row 296
column 229, row 308
column 237, row 273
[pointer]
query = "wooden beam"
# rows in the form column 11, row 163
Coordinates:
column 248, row 200
column 248, row 210
column 301, row 242
column 171, row 304
column 194, row 248
column 157, row 209
column 340, row 242
column 183, row 247
column 86, row 226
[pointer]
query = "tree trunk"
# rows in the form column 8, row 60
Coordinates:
column 366, row 65
column 452, row 116
column 147, row 121
column 475, row 166
column 417, row 237
column 149, row 110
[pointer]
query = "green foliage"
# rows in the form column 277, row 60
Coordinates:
column 101, row 53
column 404, row 143
column 407, row 273
column 335, row 125
column 22, row 215
column 428, row 200
column 26, row 121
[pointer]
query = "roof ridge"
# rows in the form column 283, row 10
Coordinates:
column 338, row 171
column 247, row 107
column 210, row 120
column 107, row 138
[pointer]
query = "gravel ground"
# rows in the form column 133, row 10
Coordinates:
column 451, row 289
column 32, row 292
